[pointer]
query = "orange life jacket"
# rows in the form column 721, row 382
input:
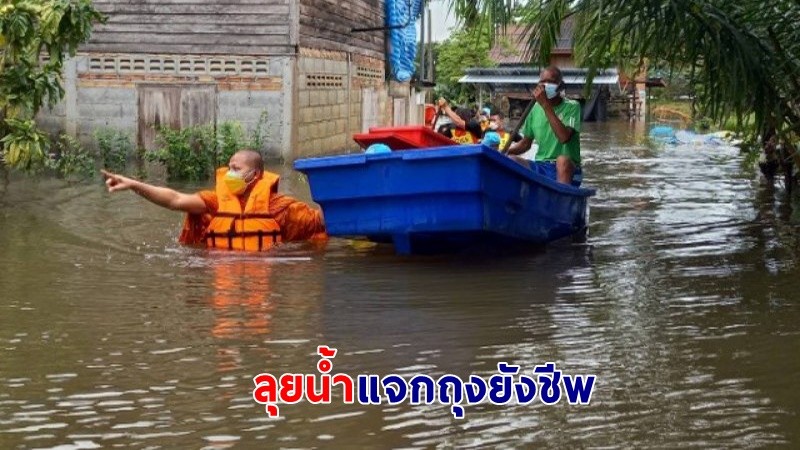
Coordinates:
column 461, row 136
column 253, row 229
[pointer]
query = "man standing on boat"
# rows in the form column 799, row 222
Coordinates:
column 555, row 124
column 243, row 212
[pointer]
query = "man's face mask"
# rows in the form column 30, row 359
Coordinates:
column 551, row 90
column 236, row 181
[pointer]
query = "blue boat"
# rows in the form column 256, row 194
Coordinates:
column 443, row 199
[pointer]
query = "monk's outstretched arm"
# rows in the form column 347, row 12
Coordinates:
column 161, row 196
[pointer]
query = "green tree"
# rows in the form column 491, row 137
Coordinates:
column 742, row 57
column 35, row 37
column 463, row 49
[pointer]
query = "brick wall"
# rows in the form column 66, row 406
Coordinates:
column 331, row 90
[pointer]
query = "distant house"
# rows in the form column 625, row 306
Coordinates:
column 180, row 63
column 511, row 82
column 511, row 47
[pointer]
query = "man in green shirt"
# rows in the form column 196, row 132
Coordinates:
column 555, row 124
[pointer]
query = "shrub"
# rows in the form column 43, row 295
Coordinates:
column 231, row 138
column 194, row 152
column 115, row 148
column 188, row 154
column 70, row 159
column 260, row 133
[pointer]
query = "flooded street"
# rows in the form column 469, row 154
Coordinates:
column 684, row 302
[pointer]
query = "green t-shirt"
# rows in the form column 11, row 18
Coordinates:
column 538, row 128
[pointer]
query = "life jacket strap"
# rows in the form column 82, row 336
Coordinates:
column 274, row 234
column 244, row 215
column 231, row 234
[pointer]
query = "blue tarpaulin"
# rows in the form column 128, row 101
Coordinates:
column 402, row 41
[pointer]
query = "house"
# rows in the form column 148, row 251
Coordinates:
column 510, row 83
column 197, row 62
column 511, row 47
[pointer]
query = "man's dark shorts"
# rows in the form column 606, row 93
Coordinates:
column 548, row 169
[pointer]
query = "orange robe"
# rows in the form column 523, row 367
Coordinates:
column 298, row 221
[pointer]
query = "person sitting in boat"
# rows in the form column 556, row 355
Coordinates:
column 555, row 124
column 497, row 124
column 465, row 127
column 492, row 140
column 243, row 212
column 441, row 123
column 484, row 118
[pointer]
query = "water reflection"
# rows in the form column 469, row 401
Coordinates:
column 241, row 299
column 242, row 306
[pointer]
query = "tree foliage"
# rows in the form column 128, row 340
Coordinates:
column 742, row 57
column 463, row 49
column 35, row 37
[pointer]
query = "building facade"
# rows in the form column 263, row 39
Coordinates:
column 515, row 75
column 156, row 63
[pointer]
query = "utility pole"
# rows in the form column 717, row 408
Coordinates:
column 430, row 47
column 422, row 68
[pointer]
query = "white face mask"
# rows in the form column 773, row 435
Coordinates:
column 551, row 90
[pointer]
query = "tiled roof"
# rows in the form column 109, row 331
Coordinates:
column 511, row 48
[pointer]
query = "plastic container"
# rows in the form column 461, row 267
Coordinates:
column 403, row 138
column 443, row 199
column 430, row 114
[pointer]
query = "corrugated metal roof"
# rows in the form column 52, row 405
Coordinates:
column 521, row 76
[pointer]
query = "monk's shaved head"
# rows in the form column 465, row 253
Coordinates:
column 247, row 159
column 252, row 157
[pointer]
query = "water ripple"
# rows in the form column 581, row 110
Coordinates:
column 683, row 303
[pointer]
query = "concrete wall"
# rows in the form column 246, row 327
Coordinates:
column 246, row 107
column 315, row 102
column 100, row 107
column 332, row 88
column 297, row 59
column 102, row 91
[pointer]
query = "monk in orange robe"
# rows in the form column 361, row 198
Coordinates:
column 243, row 212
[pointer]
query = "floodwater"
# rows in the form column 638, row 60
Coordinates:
column 684, row 302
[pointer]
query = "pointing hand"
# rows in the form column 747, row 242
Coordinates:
column 116, row 182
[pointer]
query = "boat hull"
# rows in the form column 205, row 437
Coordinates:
column 443, row 199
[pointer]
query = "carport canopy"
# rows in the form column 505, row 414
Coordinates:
column 510, row 79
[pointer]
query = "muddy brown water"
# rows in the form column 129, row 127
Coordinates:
column 683, row 302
